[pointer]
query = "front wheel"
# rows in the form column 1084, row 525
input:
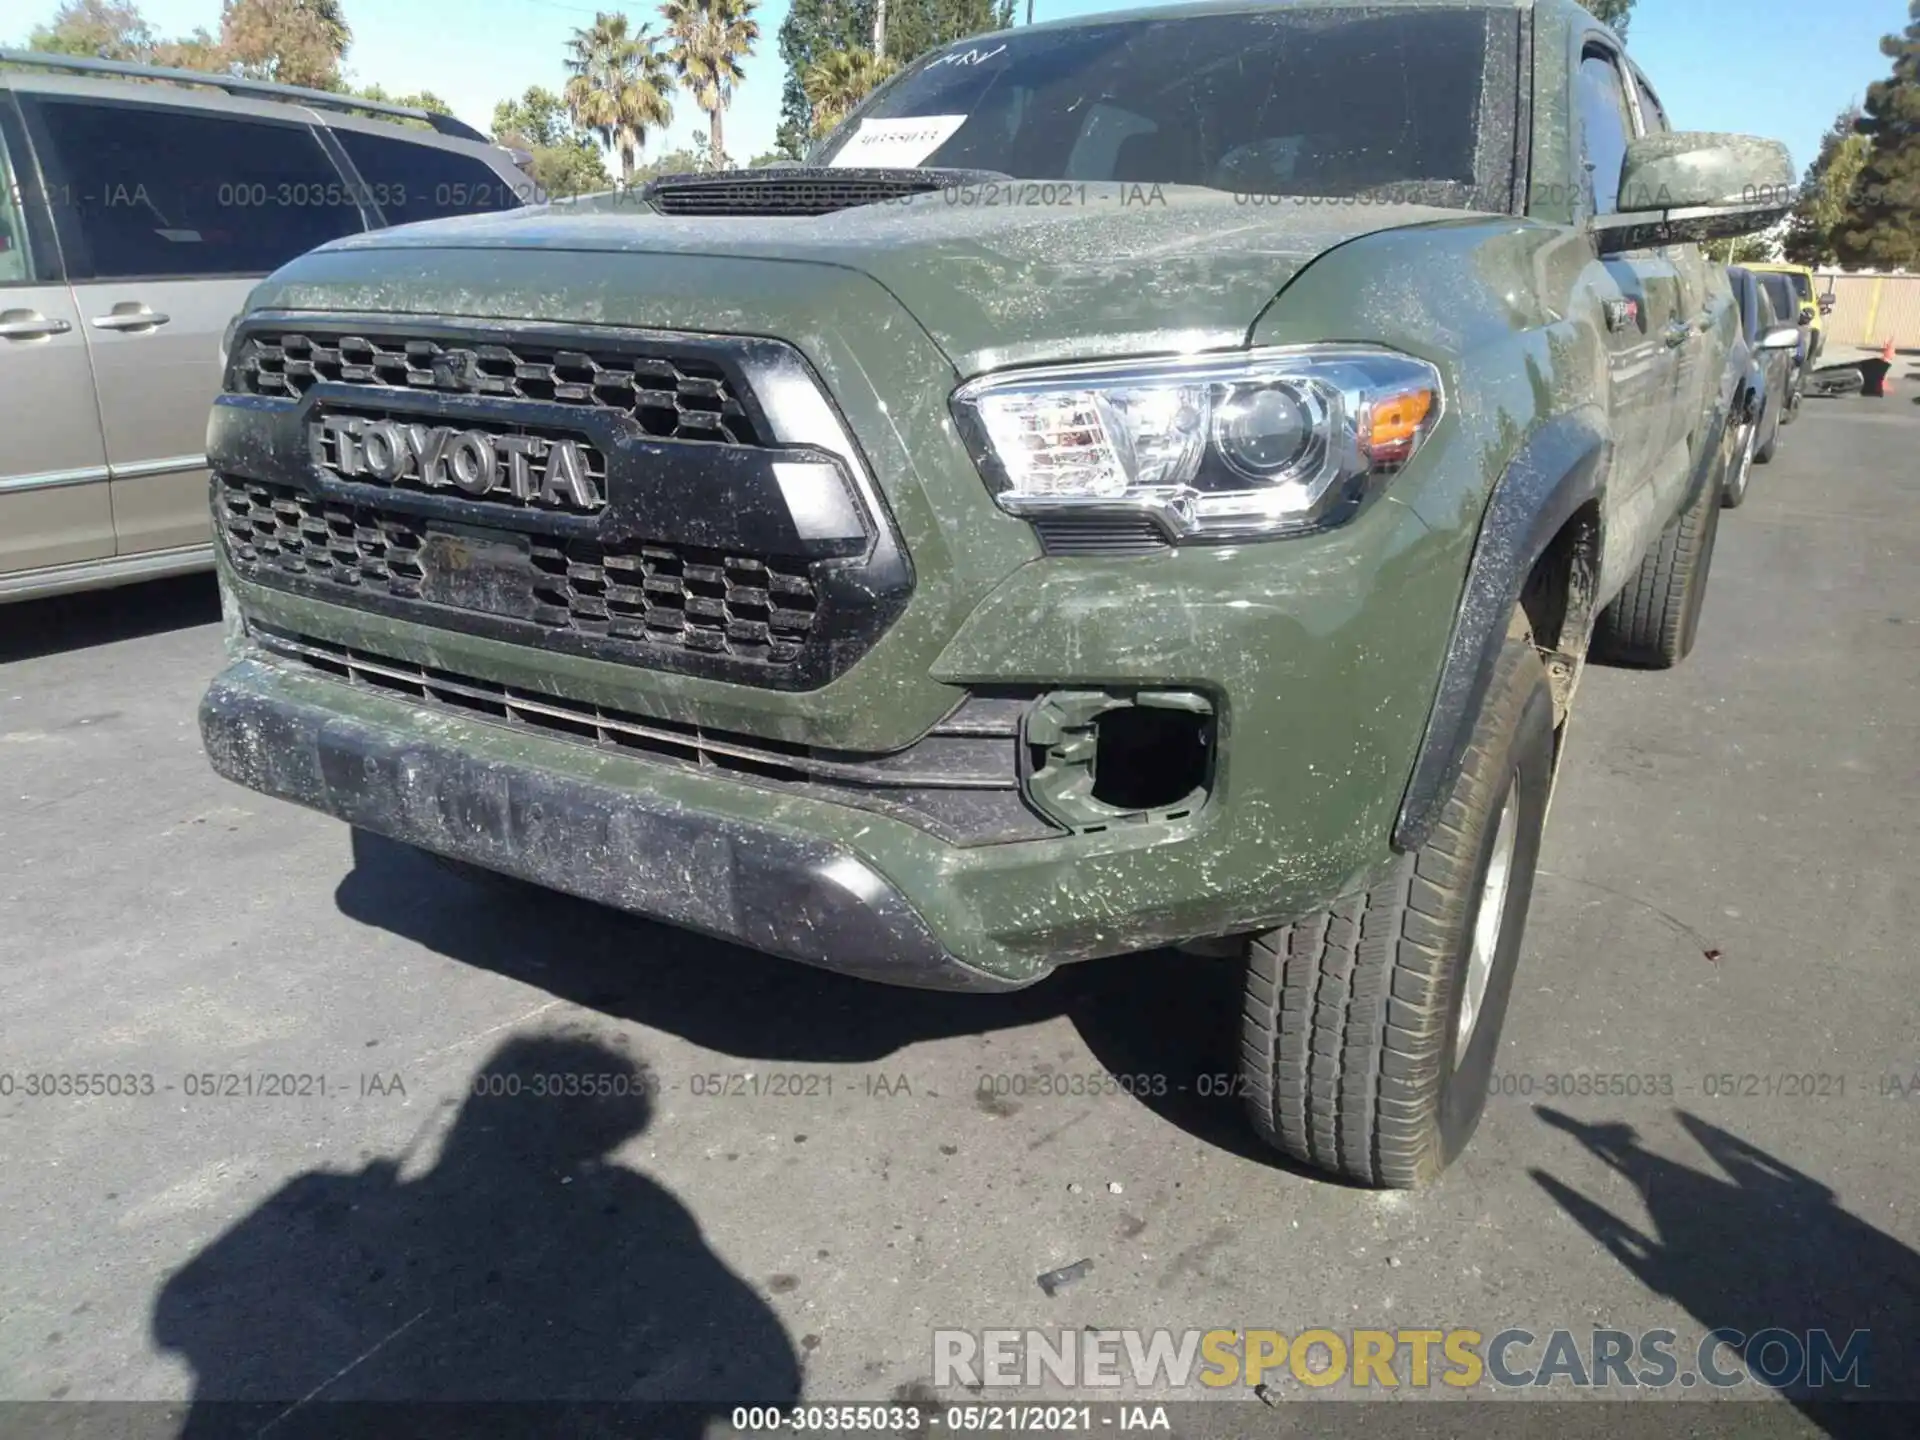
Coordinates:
column 1369, row 1029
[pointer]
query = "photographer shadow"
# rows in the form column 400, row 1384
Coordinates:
column 1765, row 1248
column 528, row 1264
column 1161, row 1017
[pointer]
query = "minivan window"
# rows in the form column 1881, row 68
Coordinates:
column 157, row 191
column 16, row 262
column 1335, row 103
column 411, row 182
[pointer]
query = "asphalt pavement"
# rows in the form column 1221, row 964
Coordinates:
column 333, row 1175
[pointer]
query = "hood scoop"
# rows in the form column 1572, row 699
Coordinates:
column 797, row 190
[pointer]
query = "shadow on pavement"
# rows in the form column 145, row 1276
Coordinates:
column 528, row 1263
column 1761, row 1247
column 100, row 617
column 1158, row 1014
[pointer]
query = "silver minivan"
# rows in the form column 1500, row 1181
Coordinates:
column 134, row 218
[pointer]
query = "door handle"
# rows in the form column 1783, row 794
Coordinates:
column 30, row 325
column 1677, row 333
column 141, row 319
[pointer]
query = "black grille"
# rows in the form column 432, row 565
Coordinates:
column 704, row 601
column 798, row 192
column 671, row 397
column 960, row 780
column 1100, row 535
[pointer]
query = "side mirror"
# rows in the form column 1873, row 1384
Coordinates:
column 1827, row 303
column 1781, row 337
column 1696, row 185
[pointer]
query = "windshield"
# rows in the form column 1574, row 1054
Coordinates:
column 1404, row 104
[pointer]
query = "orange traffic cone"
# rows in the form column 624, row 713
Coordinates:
column 1878, row 374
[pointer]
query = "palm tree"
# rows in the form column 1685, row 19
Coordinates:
column 707, row 40
column 838, row 82
column 621, row 86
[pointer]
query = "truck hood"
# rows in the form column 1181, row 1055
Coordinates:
column 1094, row 271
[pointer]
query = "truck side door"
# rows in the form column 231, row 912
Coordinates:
column 1702, row 329
column 1639, row 323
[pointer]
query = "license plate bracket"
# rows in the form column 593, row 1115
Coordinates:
column 488, row 571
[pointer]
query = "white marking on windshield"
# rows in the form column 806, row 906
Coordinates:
column 968, row 56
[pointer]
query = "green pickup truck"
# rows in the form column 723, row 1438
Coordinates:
column 1148, row 480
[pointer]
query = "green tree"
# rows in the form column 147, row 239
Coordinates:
column 1884, row 228
column 838, row 82
column 621, row 86
column 197, row 51
column 294, row 42
column 565, row 162
column 102, row 29
column 419, row 100
column 1742, row 250
column 813, row 30
column 1614, row 14
column 537, row 120
column 1827, row 194
column 917, row 26
column 707, row 40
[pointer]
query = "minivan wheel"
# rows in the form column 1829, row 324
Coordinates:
column 1369, row 1028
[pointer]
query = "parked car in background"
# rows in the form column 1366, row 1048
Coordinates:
column 1763, row 362
column 134, row 218
column 1785, row 299
column 1809, row 307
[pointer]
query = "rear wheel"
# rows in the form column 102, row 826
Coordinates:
column 1653, row 621
column 1369, row 1028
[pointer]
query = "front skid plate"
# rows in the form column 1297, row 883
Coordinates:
column 793, row 896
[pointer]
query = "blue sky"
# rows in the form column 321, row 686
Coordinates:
column 1780, row 68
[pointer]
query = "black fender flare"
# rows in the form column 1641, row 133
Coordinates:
column 1559, row 468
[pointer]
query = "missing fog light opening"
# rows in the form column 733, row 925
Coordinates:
column 1148, row 759
column 1095, row 759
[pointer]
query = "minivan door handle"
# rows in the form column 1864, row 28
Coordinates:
column 29, row 325
column 129, row 315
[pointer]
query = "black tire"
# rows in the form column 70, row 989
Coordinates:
column 1349, row 1055
column 1763, row 454
column 1740, row 472
column 1652, row 623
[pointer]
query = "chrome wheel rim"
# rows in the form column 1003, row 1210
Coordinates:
column 1488, row 923
column 1751, row 433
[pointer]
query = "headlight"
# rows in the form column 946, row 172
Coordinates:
column 1214, row 447
column 226, row 344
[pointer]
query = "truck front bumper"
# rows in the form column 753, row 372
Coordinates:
column 1320, row 659
column 640, row 850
